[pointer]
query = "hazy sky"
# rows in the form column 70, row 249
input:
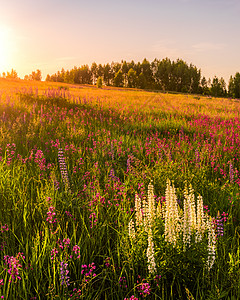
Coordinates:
column 51, row 34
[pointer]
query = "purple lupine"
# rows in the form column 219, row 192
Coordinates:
column 219, row 225
column 64, row 273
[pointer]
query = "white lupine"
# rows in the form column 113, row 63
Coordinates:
column 172, row 220
column 201, row 226
column 186, row 227
column 151, row 205
column 145, row 213
column 192, row 208
column 150, row 254
column 131, row 229
column 138, row 211
column 211, row 244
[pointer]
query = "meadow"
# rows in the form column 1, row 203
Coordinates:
column 84, row 191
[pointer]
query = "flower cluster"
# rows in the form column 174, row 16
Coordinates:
column 63, row 243
column 144, row 289
column 50, row 215
column 64, row 273
column 4, row 228
column 131, row 298
column 123, row 282
column 14, row 266
column 76, row 250
column 88, row 271
column 76, row 293
column 181, row 226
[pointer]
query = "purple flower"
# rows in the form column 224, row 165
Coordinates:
column 13, row 266
column 50, row 215
column 76, row 250
column 64, row 273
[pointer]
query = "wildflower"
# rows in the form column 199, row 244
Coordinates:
column 76, row 250
column 14, row 266
column 211, row 244
column 131, row 298
column 151, row 205
column 54, row 252
column 144, row 289
column 64, row 273
column 150, row 254
column 50, row 215
column 171, row 215
column 89, row 271
column 63, row 169
column 131, row 230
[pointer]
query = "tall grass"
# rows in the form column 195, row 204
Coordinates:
column 68, row 238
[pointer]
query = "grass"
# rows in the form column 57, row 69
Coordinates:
column 114, row 142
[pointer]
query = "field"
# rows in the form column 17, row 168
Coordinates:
column 85, row 193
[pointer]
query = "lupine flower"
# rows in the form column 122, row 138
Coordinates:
column 150, row 254
column 211, row 244
column 151, row 205
column 63, row 169
column 64, row 273
column 131, row 230
column 171, row 215
column 138, row 211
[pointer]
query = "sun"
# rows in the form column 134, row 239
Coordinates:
column 4, row 49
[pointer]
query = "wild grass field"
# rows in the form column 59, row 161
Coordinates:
column 117, row 194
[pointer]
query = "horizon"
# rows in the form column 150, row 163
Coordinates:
column 56, row 35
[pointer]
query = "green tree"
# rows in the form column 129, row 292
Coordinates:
column 99, row 82
column 204, row 86
column 12, row 75
column 107, row 74
column 141, row 81
column 132, row 78
column 234, row 86
column 218, row 87
column 94, row 72
column 118, row 79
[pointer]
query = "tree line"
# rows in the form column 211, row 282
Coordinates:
column 164, row 75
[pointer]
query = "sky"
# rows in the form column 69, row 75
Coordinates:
column 53, row 34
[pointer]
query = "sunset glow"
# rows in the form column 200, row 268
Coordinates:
column 49, row 36
column 4, row 51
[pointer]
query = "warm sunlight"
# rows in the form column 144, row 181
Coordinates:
column 4, row 49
